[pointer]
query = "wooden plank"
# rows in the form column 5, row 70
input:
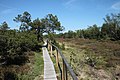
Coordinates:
column 49, row 71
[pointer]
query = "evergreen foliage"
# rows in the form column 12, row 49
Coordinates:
column 109, row 30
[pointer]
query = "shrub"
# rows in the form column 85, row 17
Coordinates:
column 14, row 44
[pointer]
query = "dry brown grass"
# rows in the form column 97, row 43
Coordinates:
column 106, row 53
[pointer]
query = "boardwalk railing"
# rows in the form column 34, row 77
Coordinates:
column 65, row 66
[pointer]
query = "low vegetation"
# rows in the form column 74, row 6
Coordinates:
column 93, row 59
column 36, row 71
column 93, row 53
column 18, row 57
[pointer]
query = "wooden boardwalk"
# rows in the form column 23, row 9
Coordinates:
column 49, row 71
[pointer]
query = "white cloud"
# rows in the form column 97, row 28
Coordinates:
column 4, row 6
column 7, row 11
column 116, row 6
column 69, row 2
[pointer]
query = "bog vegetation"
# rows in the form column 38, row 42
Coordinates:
column 17, row 45
column 94, row 53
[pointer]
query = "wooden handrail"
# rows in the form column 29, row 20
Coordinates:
column 66, row 67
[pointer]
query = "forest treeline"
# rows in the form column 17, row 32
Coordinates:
column 14, row 44
column 109, row 30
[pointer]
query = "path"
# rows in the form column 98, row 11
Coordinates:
column 49, row 71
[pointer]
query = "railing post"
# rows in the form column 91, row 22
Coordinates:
column 64, row 72
column 57, row 59
column 48, row 46
column 51, row 50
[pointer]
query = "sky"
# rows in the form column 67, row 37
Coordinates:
column 73, row 14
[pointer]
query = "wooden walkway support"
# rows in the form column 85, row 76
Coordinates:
column 49, row 71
